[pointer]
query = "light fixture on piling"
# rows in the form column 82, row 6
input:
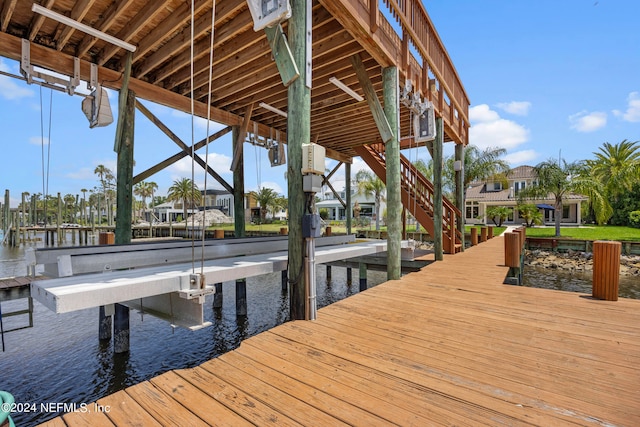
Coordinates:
column 272, row 109
column 82, row 27
column 346, row 89
column 267, row 13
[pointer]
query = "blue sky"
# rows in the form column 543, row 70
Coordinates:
column 545, row 78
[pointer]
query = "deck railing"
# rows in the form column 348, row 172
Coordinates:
column 418, row 31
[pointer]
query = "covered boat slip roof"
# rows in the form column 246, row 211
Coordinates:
column 244, row 72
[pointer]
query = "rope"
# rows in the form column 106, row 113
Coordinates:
column 206, row 156
column 6, row 403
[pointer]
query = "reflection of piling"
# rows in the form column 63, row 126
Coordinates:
column 606, row 270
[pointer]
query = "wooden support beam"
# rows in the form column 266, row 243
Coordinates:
column 148, row 114
column 459, row 180
column 238, row 187
column 437, row 191
column 374, row 22
column 242, row 134
column 171, row 160
column 298, row 133
column 282, row 55
column 390, row 88
column 372, row 99
column 349, row 212
column 7, row 10
column 335, row 193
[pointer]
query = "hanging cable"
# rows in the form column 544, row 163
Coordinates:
column 192, row 190
column 45, row 165
column 206, row 156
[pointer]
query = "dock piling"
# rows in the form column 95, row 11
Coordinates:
column 606, row 270
column 241, row 297
column 217, row 297
column 121, row 329
column 363, row 276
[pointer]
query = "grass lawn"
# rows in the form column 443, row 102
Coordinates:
column 596, row 232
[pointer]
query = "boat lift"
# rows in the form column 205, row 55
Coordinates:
column 158, row 277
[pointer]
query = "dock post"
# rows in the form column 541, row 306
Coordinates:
column 121, row 329
column 490, row 233
column 391, row 108
column 437, row 191
column 104, row 324
column 217, row 297
column 363, row 276
column 483, row 234
column 606, row 269
column 349, row 276
column 241, row 297
column 512, row 256
column 474, row 236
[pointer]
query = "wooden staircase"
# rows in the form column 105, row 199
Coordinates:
column 417, row 196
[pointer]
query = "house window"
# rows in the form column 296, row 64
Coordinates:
column 472, row 210
column 519, row 186
column 497, row 186
column 565, row 212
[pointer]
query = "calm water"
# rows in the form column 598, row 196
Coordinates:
column 537, row 277
column 61, row 359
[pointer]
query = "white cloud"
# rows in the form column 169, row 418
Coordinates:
column 588, row 122
column 38, row 140
column 268, row 184
column 490, row 130
column 9, row 89
column 520, row 157
column 633, row 108
column 218, row 162
column 82, row 174
column 519, row 108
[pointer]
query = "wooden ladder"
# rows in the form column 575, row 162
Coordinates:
column 417, row 196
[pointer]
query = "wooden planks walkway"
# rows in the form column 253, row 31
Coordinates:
column 449, row 345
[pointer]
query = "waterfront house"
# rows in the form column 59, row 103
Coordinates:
column 481, row 195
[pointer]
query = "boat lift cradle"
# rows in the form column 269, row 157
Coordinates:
column 158, row 277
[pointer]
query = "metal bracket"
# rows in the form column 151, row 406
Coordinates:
column 48, row 80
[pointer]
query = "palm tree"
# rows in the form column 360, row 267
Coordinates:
column 186, row 191
column 559, row 179
column 617, row 167
column 370, row 185
column 267, row 198
column 144, row 189
column 481, row 165
column 105, row 176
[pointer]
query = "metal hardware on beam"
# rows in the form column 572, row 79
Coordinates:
column 49, row 80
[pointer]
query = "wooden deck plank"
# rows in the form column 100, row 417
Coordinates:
column 433, row 348
column 201, row 404
column 502, row 348
column 162, row 407
column 235, row 398
column 56, row 422
column 87, row 419
column 345, row 412
column 435, row 407
column 347, row 393
column 124, row 411
column 290, row 406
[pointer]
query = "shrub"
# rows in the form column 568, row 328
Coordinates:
column 324, row 214
column 634, row 219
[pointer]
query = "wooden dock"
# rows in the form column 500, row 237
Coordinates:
column 449, row 345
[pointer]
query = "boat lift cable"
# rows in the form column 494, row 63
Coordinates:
column 193, row 151
column 206, row 155
column 45, row 165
